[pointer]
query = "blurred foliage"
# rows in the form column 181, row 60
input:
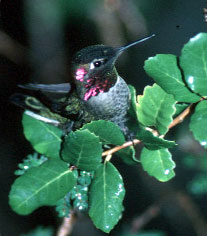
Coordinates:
column 143, row 233
column 198, row 184
column 40, row 230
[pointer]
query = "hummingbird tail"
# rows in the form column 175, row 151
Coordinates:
column 63, row 88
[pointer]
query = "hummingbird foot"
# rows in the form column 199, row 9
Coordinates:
column 129, row 135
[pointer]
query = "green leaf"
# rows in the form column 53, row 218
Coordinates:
column 156, row 108
column 41, row 186
column 107, row 131
column 106, row 197
column 133, row 104
column 45, row 138
column 153, row 142
column 164, row 70
column 193, row 61
column 198, row 123
column 82, row 149
column 128, row 155
column 158, row 164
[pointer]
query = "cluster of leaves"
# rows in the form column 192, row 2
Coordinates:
column 186, row 79
column 179, row 82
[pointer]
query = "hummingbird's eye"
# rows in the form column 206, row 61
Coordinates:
column 97, row 63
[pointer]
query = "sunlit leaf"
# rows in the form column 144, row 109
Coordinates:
column 153, row 142
column 106, row 197
column 193, row 61
column 198, row 123
column 156, row 108
column 133, row 105
column 107, row 131
column 164, row 70
column 158, row 164
column 41, row 186
column 45, row 138
column 82, row 149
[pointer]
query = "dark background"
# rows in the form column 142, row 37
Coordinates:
column 36, row 44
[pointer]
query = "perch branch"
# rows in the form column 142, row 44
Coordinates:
column 181, row 117
column 117, row 148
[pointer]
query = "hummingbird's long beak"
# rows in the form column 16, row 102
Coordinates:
column 121, row 49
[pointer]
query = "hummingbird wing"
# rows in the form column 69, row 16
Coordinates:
column 26, row 102
column 63, row 88
column 35, row 108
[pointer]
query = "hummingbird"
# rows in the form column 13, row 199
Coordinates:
column 100, row 91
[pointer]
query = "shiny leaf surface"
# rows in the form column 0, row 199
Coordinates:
column 193, row 61
column 133, row 104
column 45, row 138
column 108, row 132
column 106, row 197
column 82, row 149
column 156, row 108
column 41, row 186
column 164, row 70
column 198, row 123
column 158, row 164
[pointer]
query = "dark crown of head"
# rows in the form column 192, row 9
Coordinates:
column 88, row 54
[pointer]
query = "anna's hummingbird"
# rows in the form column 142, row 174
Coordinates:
column 100, row 88
column 101, row 92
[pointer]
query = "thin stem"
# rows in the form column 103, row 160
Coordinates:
column 117, row 148
column 181, row 117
